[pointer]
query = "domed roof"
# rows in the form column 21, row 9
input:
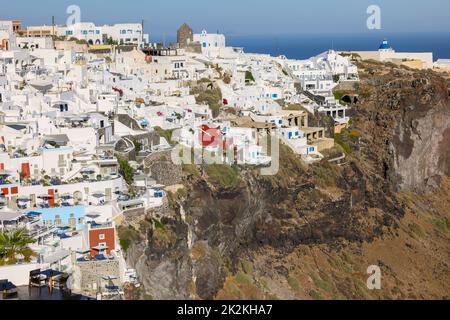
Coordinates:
column 385, row 45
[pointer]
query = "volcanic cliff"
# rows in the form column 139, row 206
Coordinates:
column 310, row 232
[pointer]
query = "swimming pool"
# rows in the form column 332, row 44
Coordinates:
column 64, row 216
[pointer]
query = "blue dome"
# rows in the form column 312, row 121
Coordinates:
column 385, row 45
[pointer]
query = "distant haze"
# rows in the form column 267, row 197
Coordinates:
column 242, row 17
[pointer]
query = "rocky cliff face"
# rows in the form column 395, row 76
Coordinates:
column 414, row 109
column 311, row 232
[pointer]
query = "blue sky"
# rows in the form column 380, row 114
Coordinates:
column 243, row 17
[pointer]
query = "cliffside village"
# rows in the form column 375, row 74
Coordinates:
column 80, row 103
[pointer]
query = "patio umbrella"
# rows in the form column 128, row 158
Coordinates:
column 87, row 171
column 98, row 195
column 51, row 272
column 45, row 196
column 93, row 215
column 33, row 214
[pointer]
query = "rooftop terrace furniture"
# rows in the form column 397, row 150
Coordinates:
column 100, row 257
column 36, row 278
column 8, row 289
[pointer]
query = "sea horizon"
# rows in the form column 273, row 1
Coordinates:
column 306, row 45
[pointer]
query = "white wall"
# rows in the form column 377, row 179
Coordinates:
column 19, row 274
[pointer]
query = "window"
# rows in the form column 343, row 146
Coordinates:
column 102, row 244
column 101, row 236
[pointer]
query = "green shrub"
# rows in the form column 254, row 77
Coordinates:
column 443, row 225
column 315, row 295
column 223, row 175
column 210, row 97
column 127, row 235
column 126, row 171
column 167, row 134
column 191, row 169
column 294, row 284
column 338, row 139
column 338, row 95
column 249, row 76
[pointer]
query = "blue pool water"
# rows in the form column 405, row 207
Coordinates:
column 79, row 212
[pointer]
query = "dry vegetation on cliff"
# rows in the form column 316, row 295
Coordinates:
column 310, row 232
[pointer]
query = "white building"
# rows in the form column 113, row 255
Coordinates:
column 7, row 37
column 418, row 60
column 210, row 43
column 83, row 31
column 123, row 33
column 126, row 33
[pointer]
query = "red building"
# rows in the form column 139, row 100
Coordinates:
column 213, row 137
column 101, row 238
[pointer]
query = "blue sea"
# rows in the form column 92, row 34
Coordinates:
column 304, row 46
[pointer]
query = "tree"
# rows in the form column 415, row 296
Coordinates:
column 227, row 78
column 249, row 76
column 138, row 146
column 13, row 243
column 126, row 171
